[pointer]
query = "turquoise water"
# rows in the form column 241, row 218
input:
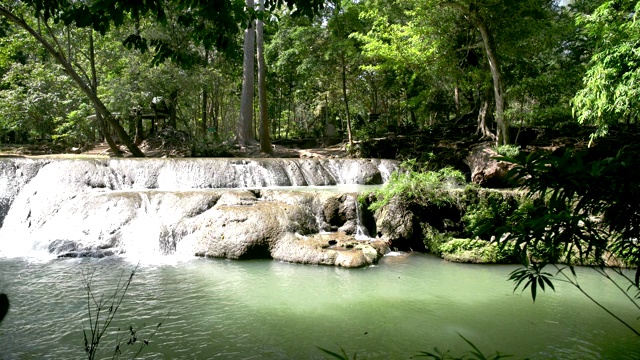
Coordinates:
column 221, row 309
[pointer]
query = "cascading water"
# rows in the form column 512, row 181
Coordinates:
column 361, row 231
column 229, row 208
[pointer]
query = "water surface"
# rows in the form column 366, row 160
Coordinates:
column 270, row 310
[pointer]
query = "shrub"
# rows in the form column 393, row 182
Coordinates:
column 209, row 147
column 487, row 210
column 476, row 250
column 507, row 150
column 412, row 185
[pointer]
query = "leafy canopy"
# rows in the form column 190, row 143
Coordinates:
column 611, row 92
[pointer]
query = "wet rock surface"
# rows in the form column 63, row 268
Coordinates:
column 329, row 249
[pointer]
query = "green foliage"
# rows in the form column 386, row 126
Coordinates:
column 508, row 150
column 475, row 250
column 534, row 277
column 582, row 209
column 209, row 147
column 413, row 185
column 36, row 101
column 578, row 205
column 75, row 129
column 342, row 355
column 474, row 353
column 434, row 239
column 460, row 245
column 488, row 210
column 611, row 89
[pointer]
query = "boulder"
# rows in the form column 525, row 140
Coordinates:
column 395, row 223
column 244, row 232
column 336, row 249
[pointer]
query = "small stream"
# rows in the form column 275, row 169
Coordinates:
column 264, row 309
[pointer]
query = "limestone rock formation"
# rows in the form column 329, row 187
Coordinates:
column 329, row 249
column 75, row 208
column 395, row 222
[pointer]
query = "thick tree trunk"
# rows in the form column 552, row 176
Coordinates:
column 107, row 137
column 244, row 130
column 498, row 85
column 483, row 114
column 265, row 141
column 139, row 137
column 494, row 65
column 486, row 171
column 84, row 87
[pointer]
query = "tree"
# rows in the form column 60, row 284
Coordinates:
column 211, row 24
column 265, row 141
column 611, row 92
column 341, row 48
column 472, row 12
column 94, row 88
column 468, row 55
column 66, row 64
column 245, row 128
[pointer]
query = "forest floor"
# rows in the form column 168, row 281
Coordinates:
column 101, row 149
column 171, row 143
column 444, row 145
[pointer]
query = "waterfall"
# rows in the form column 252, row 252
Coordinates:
column 231, row 208
column 361, row 231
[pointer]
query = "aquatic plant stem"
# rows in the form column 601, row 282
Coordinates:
column 577, row 286
column 603, row 273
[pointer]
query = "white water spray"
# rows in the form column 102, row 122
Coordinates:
column 361, row 231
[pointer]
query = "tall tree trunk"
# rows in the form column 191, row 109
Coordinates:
column 286, row 135
column 217, row 109
column 205, row 101
column 494, row 64
column 173, row 103
column 84, row 87
column 139, row 136
column 274, row 124
column 346, row 99
column 265, row 141
column 244, row 130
